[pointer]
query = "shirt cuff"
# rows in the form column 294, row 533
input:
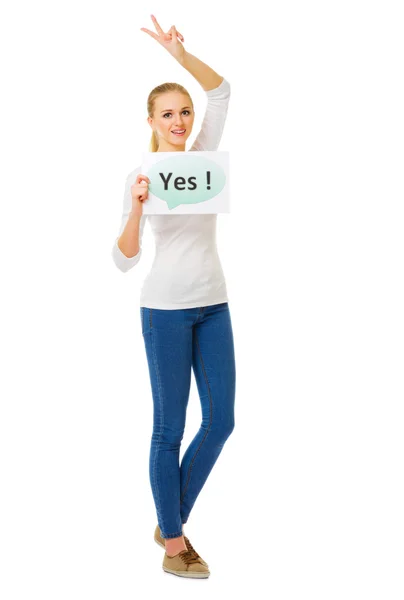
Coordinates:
column 224, row 87
column 123, row 262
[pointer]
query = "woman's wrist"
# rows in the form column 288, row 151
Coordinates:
column 183, row 58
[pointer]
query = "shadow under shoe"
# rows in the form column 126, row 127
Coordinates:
column 161, row 542
column 185, row 564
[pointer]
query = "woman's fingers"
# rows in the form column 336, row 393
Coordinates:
column 164, row 36
column 154, row 35
column 177, row 33
column 141, row 177
column 172, row 32
column 157, row 26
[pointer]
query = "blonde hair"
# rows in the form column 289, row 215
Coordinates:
column 162, row 89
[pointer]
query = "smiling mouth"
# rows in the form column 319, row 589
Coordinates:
column 178, row 132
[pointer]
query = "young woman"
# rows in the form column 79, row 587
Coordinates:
column 184, row 312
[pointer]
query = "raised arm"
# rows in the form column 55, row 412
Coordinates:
column 129, row 227
column 216, row 87
column 214, row 119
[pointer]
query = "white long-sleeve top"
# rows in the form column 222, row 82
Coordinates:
column 186, row 271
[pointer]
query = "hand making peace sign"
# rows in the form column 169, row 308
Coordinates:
column 168, row 40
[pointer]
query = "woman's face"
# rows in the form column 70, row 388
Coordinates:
column 172, row 112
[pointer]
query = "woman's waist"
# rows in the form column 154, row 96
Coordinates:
column 168, row 284
column 185, row 271
column 204, row 259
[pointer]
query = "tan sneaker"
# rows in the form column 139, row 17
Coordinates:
column 185, row 564
column 161, row 542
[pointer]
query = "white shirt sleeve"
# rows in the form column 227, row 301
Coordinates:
column 214, row 119
column 123, row 262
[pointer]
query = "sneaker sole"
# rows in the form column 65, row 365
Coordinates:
column 190, row 574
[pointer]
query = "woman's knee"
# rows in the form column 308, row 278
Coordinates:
column 223, row 429
column 168, row 436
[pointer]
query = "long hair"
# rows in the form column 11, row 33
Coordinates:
column 162, row 89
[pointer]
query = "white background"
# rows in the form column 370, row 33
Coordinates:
column 306, row 498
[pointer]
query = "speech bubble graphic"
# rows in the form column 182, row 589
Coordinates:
column 186, row 180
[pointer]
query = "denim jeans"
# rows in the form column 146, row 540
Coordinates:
column 178, row 341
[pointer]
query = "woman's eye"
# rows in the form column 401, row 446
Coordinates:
column 165, row 114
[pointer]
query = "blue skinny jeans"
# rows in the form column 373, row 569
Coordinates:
column 178, row 341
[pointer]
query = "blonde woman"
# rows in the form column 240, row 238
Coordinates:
column 184, row 310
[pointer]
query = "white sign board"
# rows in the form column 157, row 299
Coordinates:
column 186, row 182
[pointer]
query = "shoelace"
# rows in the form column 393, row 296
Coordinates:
column 188, row 556
column 190, row 547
